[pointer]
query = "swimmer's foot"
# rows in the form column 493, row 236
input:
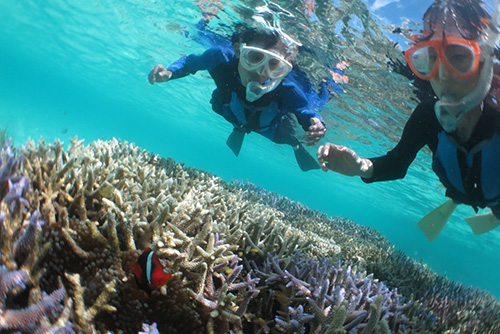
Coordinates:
column 434, row 221
column 235, row 141
column 482, row 223
column 304, row 159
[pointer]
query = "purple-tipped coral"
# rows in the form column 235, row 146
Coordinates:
column 10, row 280
column 149, row 329
column 317, row 296
column 28, row 319
column 9, row 165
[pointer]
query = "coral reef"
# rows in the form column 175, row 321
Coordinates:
column 243, row 260
column 23, row 306
column 355, row 243
column 454, row 308
column 338, row 298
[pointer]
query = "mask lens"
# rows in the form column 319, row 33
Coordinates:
column 461, row 58
column 424, row 60
column 255, row 58
column 277, row 68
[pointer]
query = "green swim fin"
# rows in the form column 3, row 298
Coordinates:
column 304, row 159
column 434, row 221
column 482, row 223
column 235, row 141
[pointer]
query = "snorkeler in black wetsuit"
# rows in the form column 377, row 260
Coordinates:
column 477, row 184
column 462, row 128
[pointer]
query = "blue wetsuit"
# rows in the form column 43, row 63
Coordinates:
column 470, row 171
column 265, row 114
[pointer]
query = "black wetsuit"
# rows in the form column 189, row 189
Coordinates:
column 470, row 171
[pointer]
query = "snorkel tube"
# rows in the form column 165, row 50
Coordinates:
column 449, row 112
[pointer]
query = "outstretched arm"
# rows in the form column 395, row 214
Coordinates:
column 343, row 160
column 421, row 129
column 190, row 64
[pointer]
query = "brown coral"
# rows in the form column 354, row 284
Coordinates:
column 23, row 306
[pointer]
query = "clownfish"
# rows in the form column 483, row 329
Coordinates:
column 148, row 271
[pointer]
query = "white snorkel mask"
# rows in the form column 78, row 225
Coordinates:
column 448, row 110
column 265, row 62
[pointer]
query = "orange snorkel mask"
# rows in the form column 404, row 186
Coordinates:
column 460, row 56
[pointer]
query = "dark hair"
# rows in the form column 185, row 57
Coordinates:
column 265, row 38
column 469, row 17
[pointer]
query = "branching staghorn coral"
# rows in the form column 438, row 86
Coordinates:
column 105, row 202
column 351, row 241
column 89, row 236
column 444, row 300
column 23, row 307
column 319, row 297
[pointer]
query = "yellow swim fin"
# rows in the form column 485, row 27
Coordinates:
column 482, row 223
column 434, row 221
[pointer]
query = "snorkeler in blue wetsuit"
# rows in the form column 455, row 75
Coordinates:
column 258, row 89
column 462, row 129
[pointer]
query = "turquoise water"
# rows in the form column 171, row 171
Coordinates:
column 79, row 68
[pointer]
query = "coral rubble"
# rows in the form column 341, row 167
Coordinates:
column 243, row 260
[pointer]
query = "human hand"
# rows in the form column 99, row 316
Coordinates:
column 159, row 74
column 343, row 160
column 315, row 132
column 343, row 65
column 209, row 8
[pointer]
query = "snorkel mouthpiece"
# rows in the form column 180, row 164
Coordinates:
column 449, row 113
column 255, row 90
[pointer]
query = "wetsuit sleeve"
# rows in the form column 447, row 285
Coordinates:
column 208, row 60
column 395, row 163
column 295, row 101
